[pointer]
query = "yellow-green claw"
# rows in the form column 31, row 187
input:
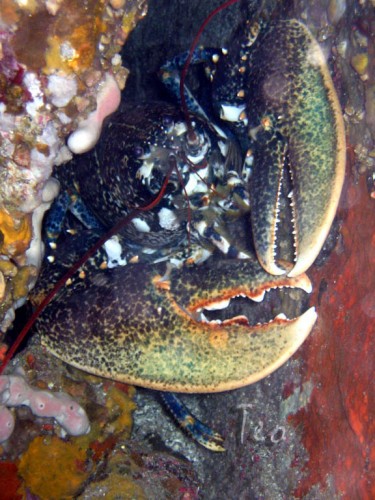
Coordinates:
column 136, row 325
column 301, row 126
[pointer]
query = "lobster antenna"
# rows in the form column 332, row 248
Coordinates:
column 61, row 282
column 126, row 220
column 191, row 136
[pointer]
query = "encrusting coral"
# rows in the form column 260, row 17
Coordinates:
column 42, row 465
column 60, row 74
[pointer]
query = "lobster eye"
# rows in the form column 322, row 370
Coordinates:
column 138, row 151
column 167, row 121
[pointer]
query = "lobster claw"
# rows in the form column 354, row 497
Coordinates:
column 142, row 324
column 298, row 125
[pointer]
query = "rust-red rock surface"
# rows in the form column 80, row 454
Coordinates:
column 339, row 425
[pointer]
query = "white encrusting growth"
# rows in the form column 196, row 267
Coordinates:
column 62, row 89
column 141, row 225
column 168, row 219
column 33, row 85
column 113, row 250
column 34, row 253
column 231, row 113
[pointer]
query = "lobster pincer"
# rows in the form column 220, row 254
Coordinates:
column 289, row 116
column 143, row 325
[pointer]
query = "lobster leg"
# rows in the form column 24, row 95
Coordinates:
column 194, row 427
column 170, row 75
column 55, row 218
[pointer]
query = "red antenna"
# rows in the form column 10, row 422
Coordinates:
column 126, row 220
column 191, row 134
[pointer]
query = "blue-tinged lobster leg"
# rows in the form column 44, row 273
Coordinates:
column 55, row 218
column 190, row 424
column 170, row 75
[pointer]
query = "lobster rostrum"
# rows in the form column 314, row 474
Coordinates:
column 146, row 322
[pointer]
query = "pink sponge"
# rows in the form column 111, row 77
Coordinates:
column 6, row 423
column 88, row 132
column 15, row 391
column 63, row 408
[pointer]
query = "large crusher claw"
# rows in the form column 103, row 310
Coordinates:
column 143, row 324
